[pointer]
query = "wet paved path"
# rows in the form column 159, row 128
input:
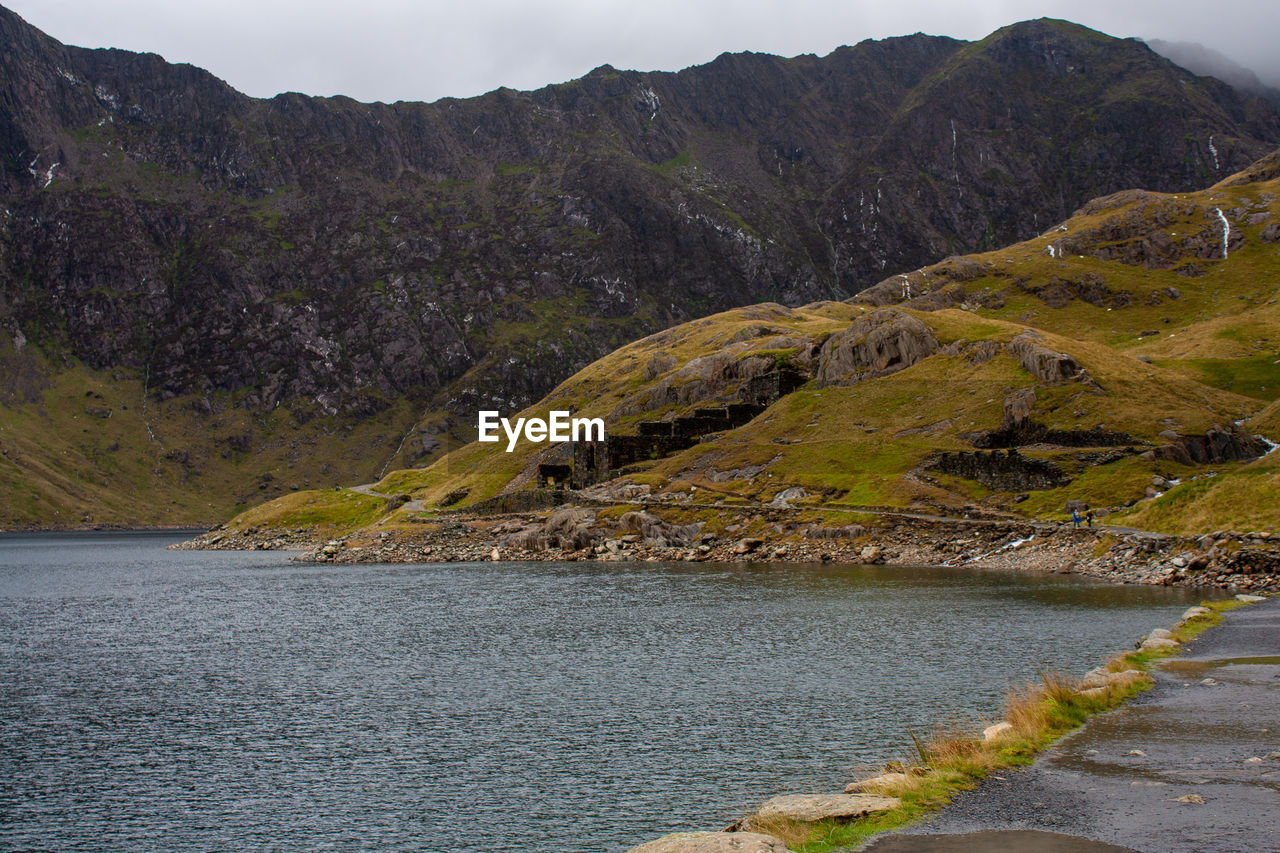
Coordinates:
column 1214, row 710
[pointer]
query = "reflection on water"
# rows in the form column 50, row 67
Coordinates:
column 192, row 701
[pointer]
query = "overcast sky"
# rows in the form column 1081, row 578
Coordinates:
column 392, row 50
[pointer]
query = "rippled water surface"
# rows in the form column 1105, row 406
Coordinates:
column 158, row 700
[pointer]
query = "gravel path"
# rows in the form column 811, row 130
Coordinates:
column 1174, row 770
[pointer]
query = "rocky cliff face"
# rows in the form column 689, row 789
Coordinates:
column 337, row 258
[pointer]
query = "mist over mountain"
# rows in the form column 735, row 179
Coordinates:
column 1208, row 62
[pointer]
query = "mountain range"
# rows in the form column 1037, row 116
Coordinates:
column 210, row 299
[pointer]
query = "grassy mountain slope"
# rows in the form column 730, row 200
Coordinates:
column 1161, row 333
column 80, row 446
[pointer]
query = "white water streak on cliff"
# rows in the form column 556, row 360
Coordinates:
column 955, row 168
column 1226, row 230
column 399, row 447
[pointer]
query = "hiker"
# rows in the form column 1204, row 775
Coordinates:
column 1075, row 518
column 1088, row 515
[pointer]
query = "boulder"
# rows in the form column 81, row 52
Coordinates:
column 1043, row 363
column 807, row 808
column 784, row 498
column 1017, row 409
column 568, row 529
column 1250, row 599
column 713, row 842
column 871, row 554
column 1215, row 446
column 656, row 531
column 1101, row 677
column 996, row 731
column 1192, row 612
column 1160, row 643
column 881, row 342
column 885, row 780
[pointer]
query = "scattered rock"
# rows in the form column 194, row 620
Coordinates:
column 1190, row 798
column 1192, row 612
column 1250, row 599
column 1136, row 753
column 1159, row 643
column 1254, row 760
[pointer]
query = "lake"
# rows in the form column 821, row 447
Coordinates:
column 179, row 700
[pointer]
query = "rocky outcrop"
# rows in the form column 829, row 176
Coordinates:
column 1018, row 405
column 879, row 343
column 655, row 532
column 1140, row 235
column 743, row 371
column 568, row 529
column 1215, row 446
column 1044, row 364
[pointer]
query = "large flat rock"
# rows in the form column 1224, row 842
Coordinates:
column 813, row 807
column 713, row 842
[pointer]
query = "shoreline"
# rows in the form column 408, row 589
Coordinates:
column 109, row 528
column 950, row 762
column 1228, row 560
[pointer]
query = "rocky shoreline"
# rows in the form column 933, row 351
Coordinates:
column 1244, row 563
column 1230, row 560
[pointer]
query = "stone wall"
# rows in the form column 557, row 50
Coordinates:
column 1007, row 471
